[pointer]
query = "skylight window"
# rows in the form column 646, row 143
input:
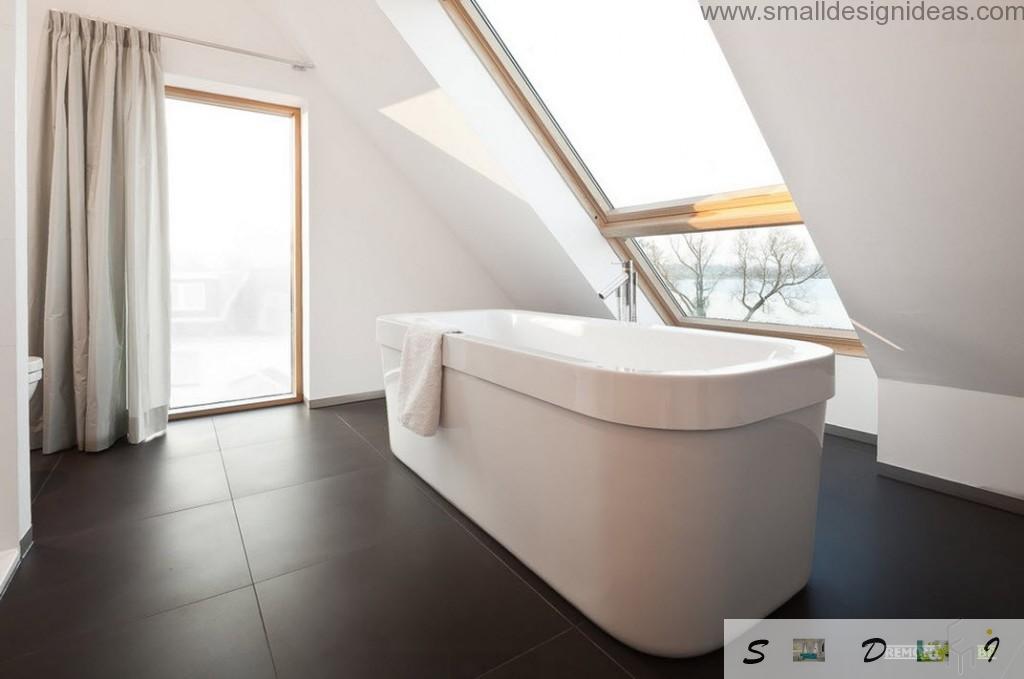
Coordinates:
column 642, row 92
column 636, row 106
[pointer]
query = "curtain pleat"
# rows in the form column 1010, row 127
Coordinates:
column 105, row 317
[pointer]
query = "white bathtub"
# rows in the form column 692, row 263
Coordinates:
column 661, row 479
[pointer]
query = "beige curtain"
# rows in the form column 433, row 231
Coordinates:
column 103, row 320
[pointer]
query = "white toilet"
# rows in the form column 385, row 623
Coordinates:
column 35, row 373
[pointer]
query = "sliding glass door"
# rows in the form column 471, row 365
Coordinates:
column 234, row 236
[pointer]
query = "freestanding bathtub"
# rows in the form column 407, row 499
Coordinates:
column 661, row 479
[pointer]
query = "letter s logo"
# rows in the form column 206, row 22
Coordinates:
column 753, row 649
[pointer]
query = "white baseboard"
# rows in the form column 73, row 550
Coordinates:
column 345, row 398
column 852, row 434
column 971, row 438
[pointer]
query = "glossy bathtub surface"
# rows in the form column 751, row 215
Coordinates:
column 660, row 479
column 648, row 376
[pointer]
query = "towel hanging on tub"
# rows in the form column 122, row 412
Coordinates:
column 419, row 382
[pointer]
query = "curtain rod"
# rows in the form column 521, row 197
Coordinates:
column 297, row 64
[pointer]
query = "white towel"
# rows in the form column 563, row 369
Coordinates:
column 419, row 382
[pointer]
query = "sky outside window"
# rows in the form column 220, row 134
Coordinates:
column 232, row 208
column 642, row 92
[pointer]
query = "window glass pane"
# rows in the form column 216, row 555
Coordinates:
column 763, row 275
column 232, row 226
column 642, row 91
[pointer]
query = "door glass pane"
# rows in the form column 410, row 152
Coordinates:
column 232, row 209
column 642, row 92
column 762, row 275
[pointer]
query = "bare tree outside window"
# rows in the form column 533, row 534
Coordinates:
column 774, row 267
column 766, row 275
column 694, row 254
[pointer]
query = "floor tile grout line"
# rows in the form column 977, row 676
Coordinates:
column 360, row 435
column 265, row 442
column 119, row 522
column 287, row 486
column 60, row 458
column 579, row 628
column 197, row 601
column 355, row 431
column 332, row 558
column 309, row 481
column 245, row 553
column 529, row 650
column 105, row 626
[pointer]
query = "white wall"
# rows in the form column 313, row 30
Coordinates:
column 374, row 244
column 902, row 146
column 15, row 511
column 530, row 233
column 855, row 405
column 914, row 434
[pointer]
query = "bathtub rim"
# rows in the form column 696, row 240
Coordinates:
column 388, row 324
column 720, row 398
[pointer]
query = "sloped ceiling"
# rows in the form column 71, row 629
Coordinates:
column 904, row 148
column 385, row 87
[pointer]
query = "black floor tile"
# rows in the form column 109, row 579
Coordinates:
column 265, row 466
column 93, row 579
column 276, row 424
column 369, row 418
column 299, row 526
column 884, row 549
column 218, row 637
column 566, row 656
column 90, row 489
column 370, row 572
column 642, row 666
column 431, row 602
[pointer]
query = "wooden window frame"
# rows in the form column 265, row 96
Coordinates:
column 749, row 208
column 295, row 113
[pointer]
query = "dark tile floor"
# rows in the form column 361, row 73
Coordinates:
column 291, row 543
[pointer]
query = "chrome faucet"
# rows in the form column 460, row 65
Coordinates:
column 624, row 286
